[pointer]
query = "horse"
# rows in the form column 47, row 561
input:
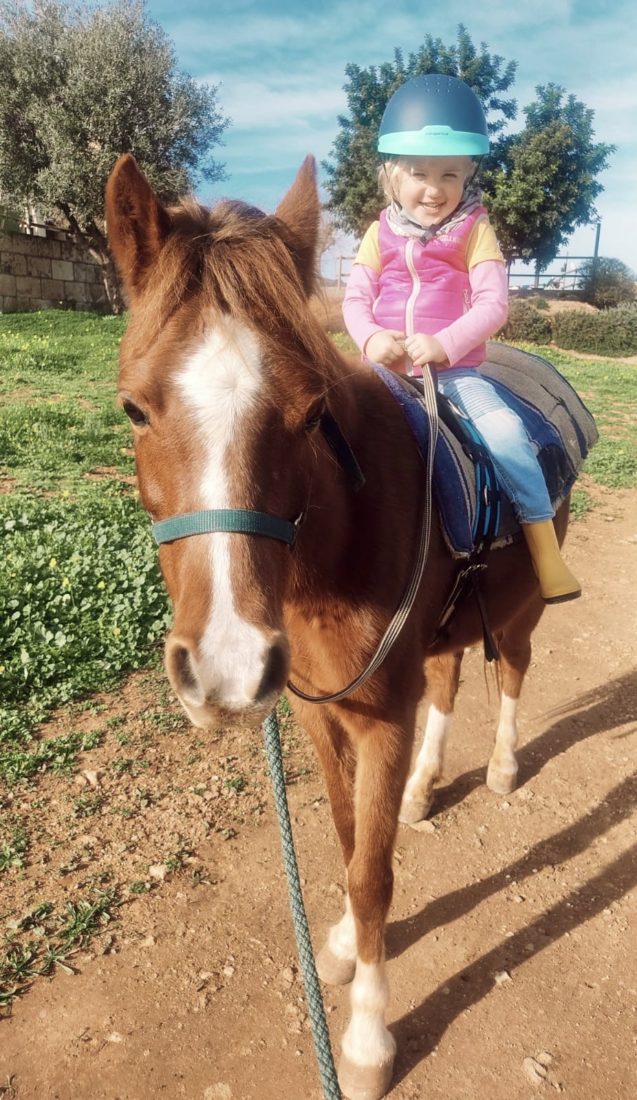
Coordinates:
column 241, row 406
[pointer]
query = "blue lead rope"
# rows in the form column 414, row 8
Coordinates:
column 320, row 1033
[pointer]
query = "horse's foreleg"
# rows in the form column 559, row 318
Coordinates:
column 515, row 657
column 368, row 1048
column 336, row 961
column 443, row 675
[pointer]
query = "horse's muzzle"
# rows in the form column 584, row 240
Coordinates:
column 222, row 686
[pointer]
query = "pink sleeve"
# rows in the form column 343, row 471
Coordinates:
column 488, row 312
column 360, row 294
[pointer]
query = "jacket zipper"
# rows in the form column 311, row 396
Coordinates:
column 411, row 301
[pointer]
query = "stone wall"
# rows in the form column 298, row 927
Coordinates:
column 45, row 269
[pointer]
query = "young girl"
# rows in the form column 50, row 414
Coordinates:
column 429, row 285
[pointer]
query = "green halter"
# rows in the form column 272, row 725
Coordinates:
column 242, row 521
column 237, row 521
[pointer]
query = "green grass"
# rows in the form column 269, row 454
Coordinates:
column 81, row 599
column 609, row 389
column 58, row 419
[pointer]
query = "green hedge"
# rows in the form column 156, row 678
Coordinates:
column 526, row 324
column 611, row 332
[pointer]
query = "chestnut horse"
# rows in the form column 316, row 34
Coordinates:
column 228, row 379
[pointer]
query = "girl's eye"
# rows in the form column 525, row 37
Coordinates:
column 135, row 414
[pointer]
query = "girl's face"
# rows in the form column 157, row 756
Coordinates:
column 430, row 188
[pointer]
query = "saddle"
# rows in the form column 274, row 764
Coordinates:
column 474, row 510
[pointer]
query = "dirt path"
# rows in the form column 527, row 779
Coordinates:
column 511, row 934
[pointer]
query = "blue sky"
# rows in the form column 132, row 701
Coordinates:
column 281, row 71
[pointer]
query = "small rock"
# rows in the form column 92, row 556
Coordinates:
column 220, row 1091
column 502, row 977
column 114, row 1037
column 228, row 971
column 287, row 974
column 92, row 778
column 425, row 826
column 87, row 841
column 536, row 1070
column 158, row 871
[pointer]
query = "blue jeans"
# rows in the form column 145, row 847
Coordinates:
column 513, row 454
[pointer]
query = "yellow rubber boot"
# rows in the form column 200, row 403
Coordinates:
column 557, row 583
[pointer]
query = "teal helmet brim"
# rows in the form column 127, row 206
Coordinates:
column 433, row 141
column 434, row 116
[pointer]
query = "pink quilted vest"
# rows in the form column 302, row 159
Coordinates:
column 425, row 286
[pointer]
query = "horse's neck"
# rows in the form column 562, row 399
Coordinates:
column 358, row 545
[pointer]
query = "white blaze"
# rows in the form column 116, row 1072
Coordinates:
column 220, row 383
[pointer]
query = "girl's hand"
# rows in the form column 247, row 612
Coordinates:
column 385, row 347
column 423, row 349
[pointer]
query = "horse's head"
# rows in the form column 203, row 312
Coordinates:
column 223, row 374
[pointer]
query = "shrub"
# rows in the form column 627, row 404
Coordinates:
column 606, row 282
column 610, row 332
column 526, row 324
column 539, row 303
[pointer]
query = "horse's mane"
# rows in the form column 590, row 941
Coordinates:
column 236, row 260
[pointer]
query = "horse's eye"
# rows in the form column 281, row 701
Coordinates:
column 135, row 414
column 314, row 416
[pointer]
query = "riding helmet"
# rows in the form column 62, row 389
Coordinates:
column 434, row 116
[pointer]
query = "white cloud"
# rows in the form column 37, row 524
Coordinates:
column 280, row 102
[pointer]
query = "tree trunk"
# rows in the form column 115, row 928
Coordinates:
column 93, row 239
column 110, row 277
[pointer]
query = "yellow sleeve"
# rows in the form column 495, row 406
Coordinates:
column 482, row 244
column 369, row 249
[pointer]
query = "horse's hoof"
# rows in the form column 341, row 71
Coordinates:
column 500, row 781
column 332, row 970
column 364, row 1082
column 413, row 810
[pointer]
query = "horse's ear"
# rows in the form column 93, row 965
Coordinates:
column 137, row 223
column 300, row 211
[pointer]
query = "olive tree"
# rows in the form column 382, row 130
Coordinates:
column 79, row 85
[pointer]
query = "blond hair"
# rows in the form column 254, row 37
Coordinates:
column 389, row 169
column 386, row 172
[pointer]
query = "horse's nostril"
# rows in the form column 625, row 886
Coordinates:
column 274, row 673
column 180, row 671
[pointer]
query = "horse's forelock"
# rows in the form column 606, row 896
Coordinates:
column 234, row 260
